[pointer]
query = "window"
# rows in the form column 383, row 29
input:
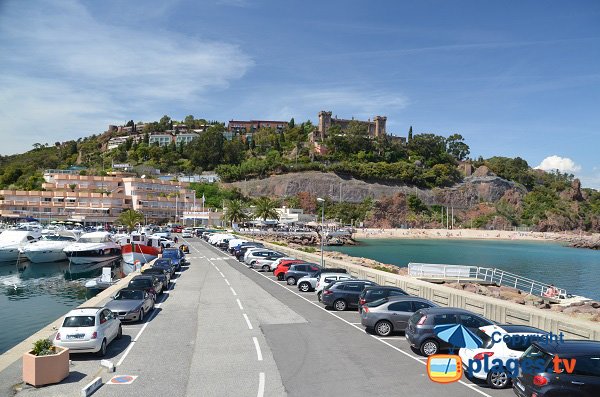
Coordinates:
column 329, row 279
column 397, row 293
column 420, row 305
column 441, row 319
column 79, row 321
column 471, row 321
column 587, row 366
column 375, row 294
column 400, row 307
column 353, row 287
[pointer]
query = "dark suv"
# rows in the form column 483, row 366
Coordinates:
column 371, row 294
column 420, row 333
column 299, row 270
column 344, row 294
column 583, row 381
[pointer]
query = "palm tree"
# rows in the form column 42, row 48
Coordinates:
column 235, row 211
column 265, row 208
column 130, row 218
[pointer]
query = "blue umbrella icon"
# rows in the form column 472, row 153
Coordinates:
column 458, row 336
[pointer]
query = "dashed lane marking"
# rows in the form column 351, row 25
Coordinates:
column 261, row 384
column 239, row 304
column 257, row 346
column 247, row 321
column 233, row 291
column 227, row 281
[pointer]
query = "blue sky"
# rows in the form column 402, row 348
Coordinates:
column 515, row 78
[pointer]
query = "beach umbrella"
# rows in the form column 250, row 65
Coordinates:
column 53, row 222
column 458, row 336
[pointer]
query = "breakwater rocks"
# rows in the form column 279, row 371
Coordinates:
column 304, row 239
column 585, row 242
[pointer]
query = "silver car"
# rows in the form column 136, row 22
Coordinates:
column 388, row 315
column 131, row 304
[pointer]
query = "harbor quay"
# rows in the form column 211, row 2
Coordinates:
column 223, row 329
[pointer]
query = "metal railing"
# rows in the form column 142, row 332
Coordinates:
column 485, row 274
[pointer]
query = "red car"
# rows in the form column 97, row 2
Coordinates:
column 284, row 267
column 177, row 229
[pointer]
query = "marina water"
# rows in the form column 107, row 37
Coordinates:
column 575, row 269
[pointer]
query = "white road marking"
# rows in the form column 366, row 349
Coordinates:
column 239, row 304
column 217, row 269
column 227, row 281
column 257, row 346
column 233, row 291
column 154, row 312
column 261, row 385
column 247, row 321
column 222, row 275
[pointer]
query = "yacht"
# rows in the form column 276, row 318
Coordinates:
column 93, row 248
column 49, row 248
column 139, row 247
column 13, row 240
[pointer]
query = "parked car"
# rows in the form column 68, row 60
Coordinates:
column 420, row 333
column 387, row 315
column 325, row 279
column 343, row 294
column 240, row 252
column 187, row 233
column 500, row 342
column 283, row 267
column 149, row 283
column 163, row 273
column 584, row 381
column 298, row 270
column 309, row 282
column 372, row 294
column 88, row 330
column 252, row 256
column 131, row 304
column 176, row 255
column 265, row 263
column 164, row 264
column 276, row 262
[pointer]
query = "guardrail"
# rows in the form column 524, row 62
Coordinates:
column 485, row 274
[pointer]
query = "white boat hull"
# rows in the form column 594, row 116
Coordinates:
column 45, row 256
column 10, row 254
column 83, row 260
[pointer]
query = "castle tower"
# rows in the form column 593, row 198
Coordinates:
column 380, row 126
column 324, row 123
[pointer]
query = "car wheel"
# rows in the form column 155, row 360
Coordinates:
column 102, row 351
column 291, row 280
column 266, row 268
column 429, row 348
column 383, row 328
column 141, row 319
column 120, row 333
column 319, row 296
column 340, row 305
column 280, row 277
column 498, row 379
column 304, row 287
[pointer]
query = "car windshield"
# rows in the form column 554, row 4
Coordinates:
column 79, row 321
column 162, row 262
column 127, row 295
column 376, row 303
column 535, row 353
column 141, row 283
column 171, row 254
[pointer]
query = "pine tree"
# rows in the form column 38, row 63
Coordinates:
column 410, row 134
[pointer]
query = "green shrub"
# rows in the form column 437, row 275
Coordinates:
column 43, row 347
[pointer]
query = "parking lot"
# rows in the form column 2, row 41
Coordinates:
column 403, row 369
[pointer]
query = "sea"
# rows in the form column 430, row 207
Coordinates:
column 575, row 269
column 32, row 295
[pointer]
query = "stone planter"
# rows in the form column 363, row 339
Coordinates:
column 45, row 370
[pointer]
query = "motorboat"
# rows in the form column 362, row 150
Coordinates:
column 92, row 248
column 11, row 241
column 50, row 248
column 102, row 282
column 141, row 248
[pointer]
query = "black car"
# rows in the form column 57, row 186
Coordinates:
column 299, row 270
column 580, row 380
column 344, row 294
column 149, row 283
column 420, row 331
column 165, row 264
column 163, row 274
column 371, row 294
column 176, row 255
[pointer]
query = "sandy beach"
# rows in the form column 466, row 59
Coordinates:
column 469, row 234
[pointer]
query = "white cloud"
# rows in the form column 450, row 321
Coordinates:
column 563, row 164
column 63, row 71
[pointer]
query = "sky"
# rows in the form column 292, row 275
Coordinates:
column 514, row 78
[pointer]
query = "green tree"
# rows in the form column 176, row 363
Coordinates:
column 265, row 208
column 130, row 219
column 206, row 151
column 456, row 147
column 235, row 211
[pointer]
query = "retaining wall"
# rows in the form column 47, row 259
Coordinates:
column 500, row 311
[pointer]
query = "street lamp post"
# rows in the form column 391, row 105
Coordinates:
column 322, row 226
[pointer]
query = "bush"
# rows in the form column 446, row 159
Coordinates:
column 43, row 347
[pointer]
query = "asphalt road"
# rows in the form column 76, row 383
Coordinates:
column 226, row 330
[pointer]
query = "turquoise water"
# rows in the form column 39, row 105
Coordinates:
column 32, row 295
column 575, row 269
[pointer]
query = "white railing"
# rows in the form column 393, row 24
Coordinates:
column 485, row 274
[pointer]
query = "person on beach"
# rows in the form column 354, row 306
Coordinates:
column 551, row 292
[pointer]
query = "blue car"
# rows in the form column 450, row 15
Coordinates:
column 176, row 255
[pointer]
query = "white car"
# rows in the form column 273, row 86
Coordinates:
column 88, row 330
column 273, row 265
column 255, row 255
column 500, row 342
column 187, row 233
column 325, row 279
column 309, row 282
column 268, row 264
